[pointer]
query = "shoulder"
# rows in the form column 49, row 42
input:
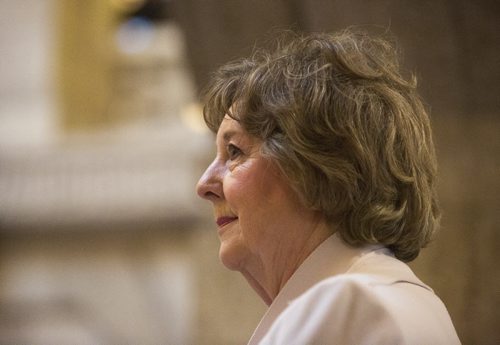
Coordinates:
column 352, row 309
column 337, row 308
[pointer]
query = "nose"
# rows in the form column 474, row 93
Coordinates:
column 209, row 187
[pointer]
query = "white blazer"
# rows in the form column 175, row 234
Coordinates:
column 355, row 296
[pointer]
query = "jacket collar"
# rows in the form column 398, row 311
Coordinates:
column 330, row 258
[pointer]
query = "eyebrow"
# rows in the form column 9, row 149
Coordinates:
column 228, row 135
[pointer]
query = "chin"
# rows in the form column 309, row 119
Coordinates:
column 232, row 255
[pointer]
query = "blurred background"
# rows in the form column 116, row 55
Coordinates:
column 102, row 239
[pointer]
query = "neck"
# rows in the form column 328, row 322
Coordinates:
column 268, row 275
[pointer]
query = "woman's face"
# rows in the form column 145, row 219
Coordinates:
column 255, row 208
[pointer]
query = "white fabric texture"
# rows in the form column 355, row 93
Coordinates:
column 344, row 295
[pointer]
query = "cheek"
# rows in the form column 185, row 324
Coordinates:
column 240, row 191
column 248, row 185
column 258, row 196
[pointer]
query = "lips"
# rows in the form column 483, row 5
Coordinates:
column 222, row 221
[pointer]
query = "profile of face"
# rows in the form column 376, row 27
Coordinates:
column 260, row 220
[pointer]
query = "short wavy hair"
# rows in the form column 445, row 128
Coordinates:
column 349, row 132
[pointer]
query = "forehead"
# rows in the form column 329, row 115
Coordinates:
column 229, row 128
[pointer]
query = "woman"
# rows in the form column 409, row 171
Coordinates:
column 323, row 186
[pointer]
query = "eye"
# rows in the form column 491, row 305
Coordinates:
column 233, row 152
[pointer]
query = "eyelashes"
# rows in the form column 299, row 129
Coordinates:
column 233, row 152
